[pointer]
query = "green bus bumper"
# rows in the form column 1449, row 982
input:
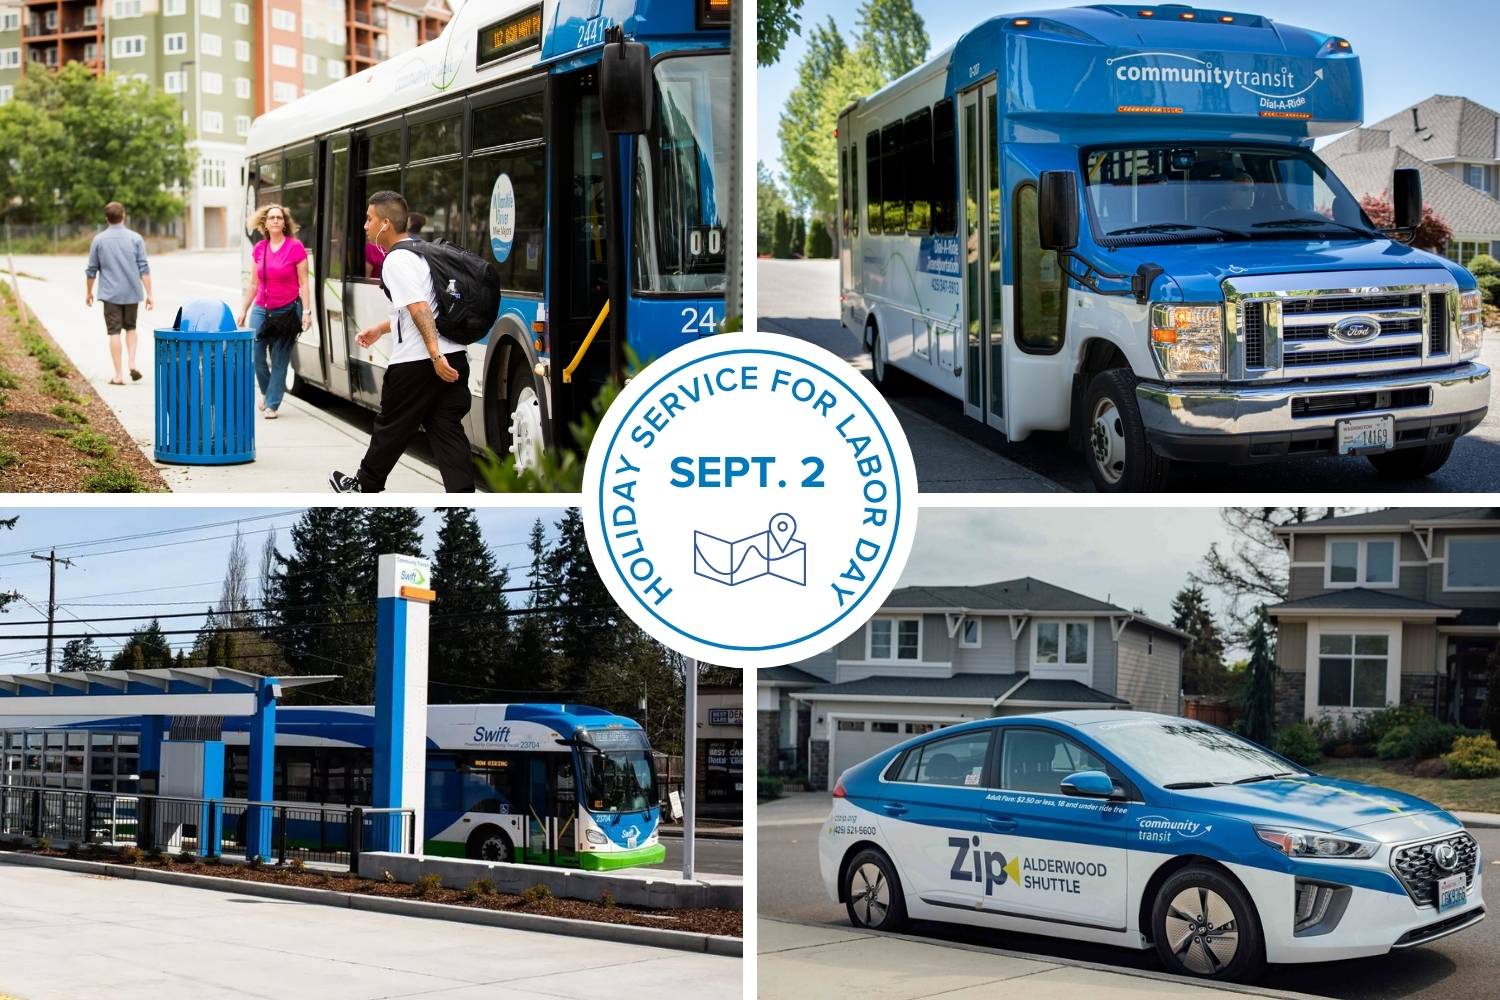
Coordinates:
column 590, row 861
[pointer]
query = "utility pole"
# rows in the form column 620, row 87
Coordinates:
column 689, row 768
column 52, row 561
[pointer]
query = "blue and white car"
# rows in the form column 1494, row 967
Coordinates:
column 1143, row 830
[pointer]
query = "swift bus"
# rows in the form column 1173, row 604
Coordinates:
column 543, row 784
column 599, row 197
column 1224, row 298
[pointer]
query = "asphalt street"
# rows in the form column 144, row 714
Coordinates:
column 956, row 454
column 719, row 857
column 1465, row 966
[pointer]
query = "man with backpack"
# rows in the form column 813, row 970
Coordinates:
column 427, row 375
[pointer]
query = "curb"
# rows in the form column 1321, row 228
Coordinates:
column 710, row 944
column 676, row 831
column 1478, row 821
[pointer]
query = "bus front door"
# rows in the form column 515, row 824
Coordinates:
column 979, row 203
column 552, row 810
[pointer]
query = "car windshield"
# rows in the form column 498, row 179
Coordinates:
column 1185, row 754
column 619, row 780
column 681, row 202
column 1202, row 193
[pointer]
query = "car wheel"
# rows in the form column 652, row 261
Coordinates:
column 872, row 892
column 1119, row 457
column 1411, row 463
column 489, row 843
column 1204, row 925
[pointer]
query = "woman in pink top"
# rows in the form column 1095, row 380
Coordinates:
column 278, row 280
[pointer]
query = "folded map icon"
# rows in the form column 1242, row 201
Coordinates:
column 748, row 558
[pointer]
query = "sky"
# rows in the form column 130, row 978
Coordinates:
column 176, row 572
column 1408, row 51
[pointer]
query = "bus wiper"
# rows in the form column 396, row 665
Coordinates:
column 1173, row 227
column 1176, row 785
column 1265, row 777
column 1306, row 221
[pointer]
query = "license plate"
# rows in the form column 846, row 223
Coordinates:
column 1452, row 891
column 1366, row 434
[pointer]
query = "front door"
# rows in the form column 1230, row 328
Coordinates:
column 979, row 176
column 1472, row 680
column 552, row 810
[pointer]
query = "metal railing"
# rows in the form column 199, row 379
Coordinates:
column 329, row 834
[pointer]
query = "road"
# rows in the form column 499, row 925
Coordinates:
column 956, row 454
column 1465, row 966
column 65, row 935
column 715, row 856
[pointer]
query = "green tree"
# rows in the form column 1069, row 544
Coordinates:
column 71, row 141
column 1203, row 659
column 894, row 36
column 799, row 236
column 775, row 22
column 587, row 623
column 819, row 241
column 395, row 530
column 145, row 649
column 7, row 523
column 469, row 627
column 781, row 244
column 769, row 200
column 81, row 654
column 1432, row 232
column 808, row 147
column 530, row 666
column 1251, row 569
column 1260, row 691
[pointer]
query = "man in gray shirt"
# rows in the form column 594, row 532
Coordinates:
column 117, row 258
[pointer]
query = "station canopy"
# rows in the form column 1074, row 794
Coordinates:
column 220, row 691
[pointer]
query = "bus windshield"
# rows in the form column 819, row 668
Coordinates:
column 680, row 203
column 1196, row 193
column 618, row 780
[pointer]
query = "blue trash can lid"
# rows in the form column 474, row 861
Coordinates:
column 204, row 316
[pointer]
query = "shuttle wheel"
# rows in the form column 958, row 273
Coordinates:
column 879, row 363
column 1120, row 458
column 489, row 843
column 1205, row 925
column 1411, row 463
column 525, row 421
column 872, row 892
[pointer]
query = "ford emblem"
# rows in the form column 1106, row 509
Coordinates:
column 1356, row 329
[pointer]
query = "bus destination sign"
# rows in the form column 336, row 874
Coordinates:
column 513, row 34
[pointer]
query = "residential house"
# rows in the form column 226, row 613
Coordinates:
column 1399, row 606
column 935, row 656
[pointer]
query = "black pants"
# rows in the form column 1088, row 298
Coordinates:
column 414, row 397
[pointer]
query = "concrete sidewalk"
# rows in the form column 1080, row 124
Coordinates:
column 292, row 453
column 806, row 960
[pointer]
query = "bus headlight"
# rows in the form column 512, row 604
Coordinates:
column 1188, row 339
column 1311, row 844
column 1470, row 324
column 595, row 837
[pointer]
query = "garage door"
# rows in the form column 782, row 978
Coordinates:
column 860, row 739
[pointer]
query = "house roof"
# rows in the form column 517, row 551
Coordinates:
column 1443, row 128
column 1026, row 595
column 1361, row 599
column 1396, row 517
column 786, row 675
column 1052, row 691
column 1467, row 211
column 994, row 689
column 1478, row 618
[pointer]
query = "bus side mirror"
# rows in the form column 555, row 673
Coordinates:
column 1057, row 210
column 1406, row 197
column 625, row 90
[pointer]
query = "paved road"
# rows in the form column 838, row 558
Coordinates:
column 1463, row 967
column 64, row 936
column 955, row 454
column 720, row 857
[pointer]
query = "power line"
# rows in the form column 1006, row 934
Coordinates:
column 65, row 546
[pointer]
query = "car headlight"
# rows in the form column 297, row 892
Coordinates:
column 1470, row 323
column 595, row 837
column 1311, row 844
column 1188, row 340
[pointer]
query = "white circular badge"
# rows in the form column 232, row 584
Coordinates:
column 750, row 499
column 502, row 218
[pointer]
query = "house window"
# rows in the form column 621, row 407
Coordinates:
column 123, row 8
column 6, row 93
column 1477, row 175
column 211, row 44
column 1352, row 670
column 283, row 20
column 212, row 172
column 241, row 13
column 336, row 70
column 128, row 46
column 174, row 43
column 241, row 124
column 213, row 121
column 1060, row 644
column 885, row 727
column 284, row 55
column 969, row 634
column 1150, row 643
column 310, row 64
column 213, row 83
column 211, row 8
column 284, row 93
column 10, row 22
column 242, row 51
column 851, row 725
column 10, row 58
column 171, row 8
column 1463, row 251
column 242, row 87
column 174, row 82
column 895, row 639
column 1361, row 562
column 1473, row 563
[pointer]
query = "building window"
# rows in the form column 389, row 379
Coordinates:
column 1472, row 563
column 174, row 82
column 283, row 20
column 969, row 634
column 335, row 35
column 284, row 55
column 1061, row 644
column 123, row 8
column 242, row 51
column 6, row 93
column 241, row 124
column 1361, row 562
column 171, row 8
column 310, row 29
column 213, row 83
column 310, row 64
column 90, row 51
column 284, row 93
column 128, row 46
column 1352, row 670
column 241, row 13
column 10, row 58
column 212, row 173
column 211, row 44
column 10, row 22
column 242, row 88
column 1463, row 251
column 894, row 639
column 213, row 122
column 211, row 8
column 851, row 725
column 1477, row 175
column 174, row 43
column 336, row 69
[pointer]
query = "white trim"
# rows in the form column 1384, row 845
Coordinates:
column 1447, row 562
column 1062, row 667
column 830, row 720
column 1414, row 615
column 963, row 624
column 1017, row 626
column 1315, row 631
column 1023, row 678
column 809, row 696
column 895, row 658
column 134, row 704
column 1361, row 563
column 1117, row 625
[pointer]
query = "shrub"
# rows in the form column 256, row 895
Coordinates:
column 536, row 894
column 426, row 885
column 91, row 443
column 110, row 477
column 297, row 865
column 819, row 240
column 71, row 414
column 1489, row 284
column 1426, row 737
column 1373, row 726
column 131, row 855
column 255, row 863
column 607, row 899
column 1299, row 742
column 781, row 242
column 8, row 381
column 55, row 387
column 1482, row 264
column 1473, row 757
column 478, row 888
column 767, row 786
column 44, row 844
column 8, row 456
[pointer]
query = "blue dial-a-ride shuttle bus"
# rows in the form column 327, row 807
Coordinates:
column 1110, row 220
column 598, row 193
column 539, row 783
column 1144, row 830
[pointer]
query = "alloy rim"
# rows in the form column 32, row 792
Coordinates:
column 870, row 894
column 1201, row 931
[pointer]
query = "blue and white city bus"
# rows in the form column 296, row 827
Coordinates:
column 1109, row 220
column 541, row 783
column 494, row 132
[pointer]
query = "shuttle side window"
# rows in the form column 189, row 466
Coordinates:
column 944, row 171
column 872, row 182
column 854, row 188
column 1041, row 286
column 919, row 180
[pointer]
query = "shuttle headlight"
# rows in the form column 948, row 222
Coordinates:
column 1311, row 844
column 595, row 837
column 1470, row 328
column 1188, row 340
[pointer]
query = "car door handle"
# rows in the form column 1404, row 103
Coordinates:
column 893, row 809
column 1000, row 824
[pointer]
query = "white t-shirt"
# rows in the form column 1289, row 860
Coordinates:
column 410, row 280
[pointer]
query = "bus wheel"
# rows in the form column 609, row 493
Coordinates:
column 525, row 420
column 1204, row 925
column 1120, row 458
column 1411, row 463
column 489, row 843
column 872, row 892
column 878, row 360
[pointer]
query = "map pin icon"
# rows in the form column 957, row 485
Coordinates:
column 781, row 529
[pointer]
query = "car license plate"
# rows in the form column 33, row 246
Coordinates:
column 1452, row 891
column 1366, row 434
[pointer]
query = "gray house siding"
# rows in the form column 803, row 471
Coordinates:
column 997, row 653
column 1104, row 657
column 1291, row 646
column 1150, row 671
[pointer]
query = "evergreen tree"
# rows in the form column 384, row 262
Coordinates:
column 819, row 240
column 388, row 530
column 587, row 622
column 1260, row 691
column 8, row 596
column 799, row 236
column 146, row 649
column 469, row 628
column 1203, row 660
column 781, row 241
column 81, row 654
column 530, row 663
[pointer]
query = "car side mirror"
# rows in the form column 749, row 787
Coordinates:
column 1057, row 210
column 1406, row 198
column 625, row 91
column 1089, row 784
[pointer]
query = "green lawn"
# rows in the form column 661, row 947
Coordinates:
column 1475, row 795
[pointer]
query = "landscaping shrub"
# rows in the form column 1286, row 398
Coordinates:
column 1299, row 742
column 767, row 787
column 1372, row 727
column 130, row 855
column 819, row 240
column 109, row 477
column 297, row 865
column 71, row 414
column 1424, row 738
column 477, row 888
column 1488, row 285
column 1473, row 757
column 536, row 894
column 1483, row 264
column 57, row 388
column 426, row 885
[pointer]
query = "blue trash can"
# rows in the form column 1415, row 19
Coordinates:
column 205, row 388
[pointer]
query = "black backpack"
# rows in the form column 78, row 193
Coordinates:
column 466, row 288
